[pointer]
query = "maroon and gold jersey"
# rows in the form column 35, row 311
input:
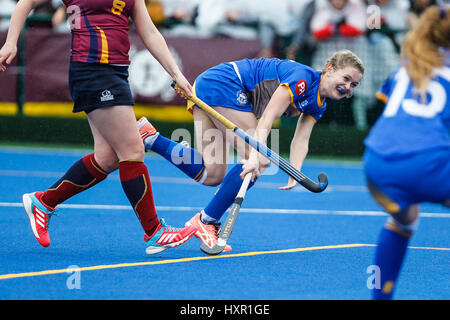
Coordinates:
column 100, row 30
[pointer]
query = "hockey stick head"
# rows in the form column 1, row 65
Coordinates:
column 312, row 186
column 323, row 181
column 217, row 249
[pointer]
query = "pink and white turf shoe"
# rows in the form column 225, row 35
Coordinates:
column 146, row 129
column 207, row 233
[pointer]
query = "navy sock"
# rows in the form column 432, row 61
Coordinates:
column 226, row 194
column 188, row 160
column 390, row 253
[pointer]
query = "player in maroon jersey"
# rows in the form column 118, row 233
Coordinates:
column 98, row 81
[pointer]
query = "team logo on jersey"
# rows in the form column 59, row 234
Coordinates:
column 106, row 96
column 301, row 87
column 241, row 97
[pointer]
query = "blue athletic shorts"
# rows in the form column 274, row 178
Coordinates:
column 221, row 86
column 422, row 177
column 96, row 85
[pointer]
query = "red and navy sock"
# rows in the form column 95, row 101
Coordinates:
column 138, row 189
column 84, row 174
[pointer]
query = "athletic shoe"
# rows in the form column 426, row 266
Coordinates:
column 146, row 129
column 207, row 233
column 166, row 237
column 39, row 215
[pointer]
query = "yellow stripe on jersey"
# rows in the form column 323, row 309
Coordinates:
column 319, row 101
column 382, row 97
column 104, row 57
column 286, row 85
column 311, row 117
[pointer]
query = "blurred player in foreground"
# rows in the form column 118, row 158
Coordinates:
column 407, row 158
column 253, row 94
column 98, row 80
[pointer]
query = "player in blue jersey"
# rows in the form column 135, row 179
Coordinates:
column 253, row 94
column 407, row 158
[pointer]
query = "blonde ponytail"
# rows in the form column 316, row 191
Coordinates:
column 420, row 49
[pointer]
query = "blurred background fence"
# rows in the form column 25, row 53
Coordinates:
column 35, row 104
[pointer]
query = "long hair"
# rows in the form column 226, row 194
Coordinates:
column 421, row 49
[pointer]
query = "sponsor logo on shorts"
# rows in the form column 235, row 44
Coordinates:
column 303, row 104
column 241, row 97
column 106, row 96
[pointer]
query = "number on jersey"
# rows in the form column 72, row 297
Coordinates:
column 118, row 6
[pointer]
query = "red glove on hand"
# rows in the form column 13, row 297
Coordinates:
column 349, row 31
column 325, row 32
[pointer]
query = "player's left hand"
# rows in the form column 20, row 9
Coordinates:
column 291, row 184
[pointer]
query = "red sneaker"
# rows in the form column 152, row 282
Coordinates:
column 166, row 237
column 39, row 215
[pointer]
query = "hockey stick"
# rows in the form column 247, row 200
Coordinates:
column 261, row 148
column 229, row 222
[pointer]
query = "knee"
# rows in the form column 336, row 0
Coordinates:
column 215, row 175
column 107, row 161
column 407, row 216
column 135, row 151
column 407, row 219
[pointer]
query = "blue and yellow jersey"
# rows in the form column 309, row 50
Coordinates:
column 261, row 77
column 100, row 30
column 410, row 124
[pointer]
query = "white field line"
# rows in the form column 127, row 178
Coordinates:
column 244, row 210
column 183, row 181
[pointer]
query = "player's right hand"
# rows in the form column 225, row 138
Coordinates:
column 182, row 83
column 7, row 54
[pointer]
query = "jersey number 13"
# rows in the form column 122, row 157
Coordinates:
column 411, row 106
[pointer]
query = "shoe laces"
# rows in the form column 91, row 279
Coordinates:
column 217, row 230
column 48, row 216
column 168, row 228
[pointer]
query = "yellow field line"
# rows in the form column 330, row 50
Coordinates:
column 236, row 255
column 149, row 263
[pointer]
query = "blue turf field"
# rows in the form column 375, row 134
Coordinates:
column 287, row 245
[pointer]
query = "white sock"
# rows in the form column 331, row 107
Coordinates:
column 207, row 219
column 148, row 142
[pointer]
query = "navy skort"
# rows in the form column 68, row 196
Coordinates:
column 96, row 85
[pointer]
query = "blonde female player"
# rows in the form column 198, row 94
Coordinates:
column 98, row 80
column 407, row 158
column 243, row 92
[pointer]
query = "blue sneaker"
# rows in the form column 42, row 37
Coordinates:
column 166, row 237
column 39, row 215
